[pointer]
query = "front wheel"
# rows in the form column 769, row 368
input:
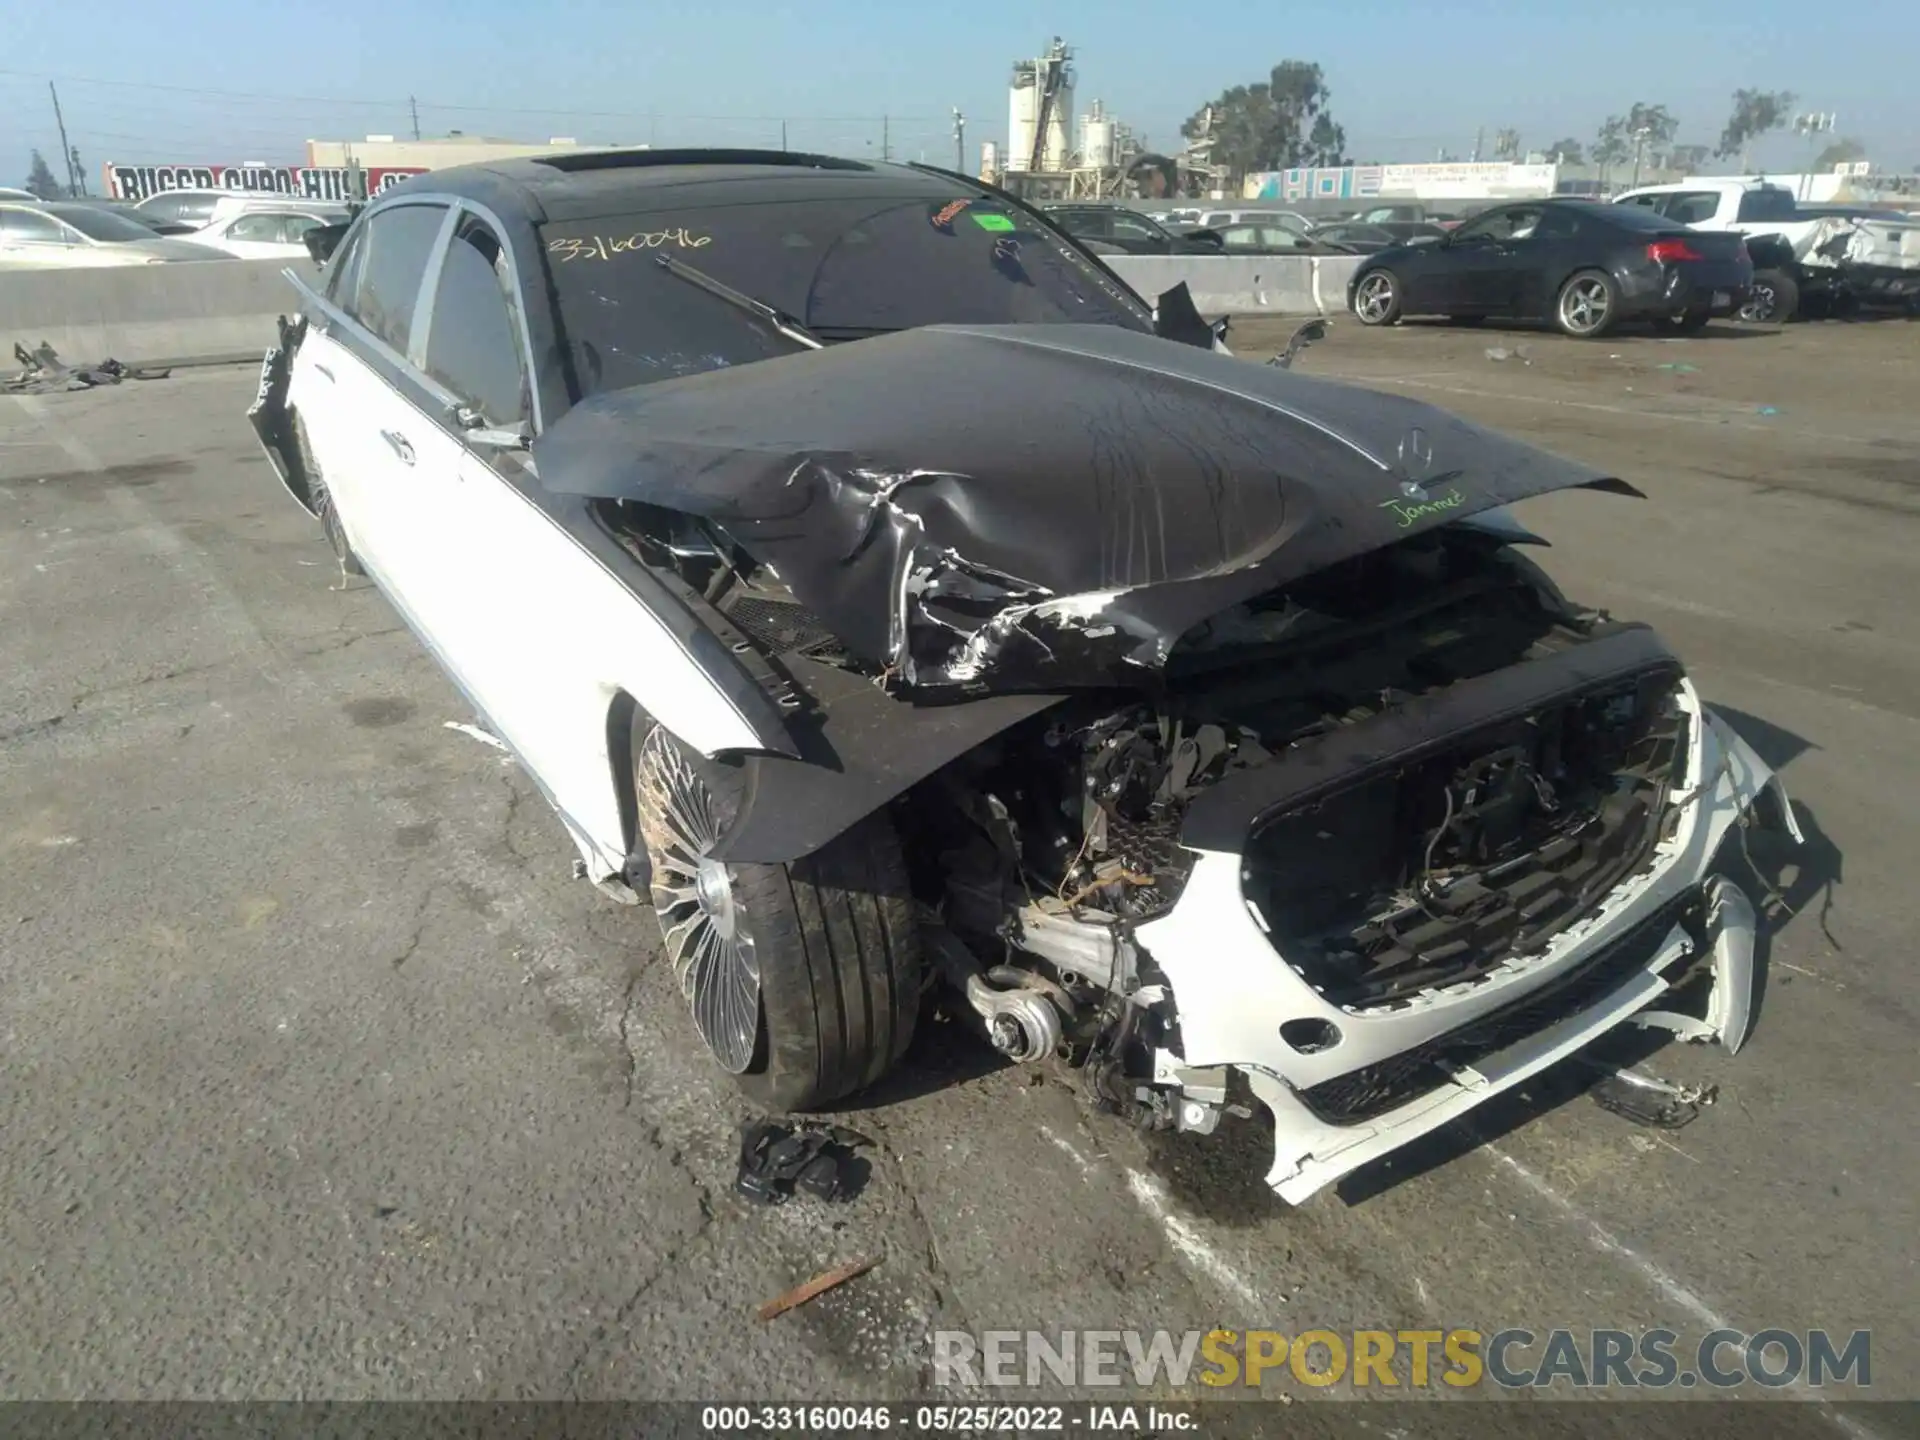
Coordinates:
column 1773, row 300
column 1587, row 306
column 1376, row 299
column 804, row 979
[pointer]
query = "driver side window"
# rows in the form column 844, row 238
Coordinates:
column 23, row 226
column 473, row 339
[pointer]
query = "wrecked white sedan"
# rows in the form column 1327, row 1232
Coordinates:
column 882, row 588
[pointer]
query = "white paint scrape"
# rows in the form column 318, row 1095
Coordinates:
column 1192, row 1246
column 476, row 732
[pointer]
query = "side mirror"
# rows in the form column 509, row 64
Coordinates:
column 323, row 240
column 478, row 432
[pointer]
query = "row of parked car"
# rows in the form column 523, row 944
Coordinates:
column 1121, row 230
column 1677, row 254
column 171, row 226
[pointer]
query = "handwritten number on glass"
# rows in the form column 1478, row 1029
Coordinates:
column 605, row 247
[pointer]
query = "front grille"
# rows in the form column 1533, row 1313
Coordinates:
column 780, row 626
column 1373, row 1090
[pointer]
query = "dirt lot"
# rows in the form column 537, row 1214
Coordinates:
column 318, row 1076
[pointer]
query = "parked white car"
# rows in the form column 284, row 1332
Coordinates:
column 56, row 234
column 1213, row 219
column 932, row 613
column 268, row 232
column 189, row 207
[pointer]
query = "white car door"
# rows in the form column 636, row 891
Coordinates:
column 348, row 381
column 540, row 632
column 506, row 594
column 29, row 237
column 258, row 235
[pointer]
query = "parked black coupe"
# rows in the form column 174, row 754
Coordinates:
column 1582, row 265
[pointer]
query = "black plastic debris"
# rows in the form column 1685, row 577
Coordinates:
column 777, row 1160
column 1656, row 1104
column 43, row 372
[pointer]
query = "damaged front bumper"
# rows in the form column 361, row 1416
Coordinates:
column 1374, row 1080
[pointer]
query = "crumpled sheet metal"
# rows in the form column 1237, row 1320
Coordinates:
column 1002, row 507
column 43, row 372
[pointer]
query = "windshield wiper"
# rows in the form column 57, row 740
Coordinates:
column 778, row 319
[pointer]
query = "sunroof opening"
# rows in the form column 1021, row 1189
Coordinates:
column 635, row 159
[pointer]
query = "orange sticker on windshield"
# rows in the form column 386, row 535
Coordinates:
column 948, row 213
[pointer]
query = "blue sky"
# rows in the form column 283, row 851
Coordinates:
column 1407, row 77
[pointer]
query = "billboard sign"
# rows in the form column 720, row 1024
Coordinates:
column 302, row 182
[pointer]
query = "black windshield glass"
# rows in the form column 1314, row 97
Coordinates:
column 842, row 268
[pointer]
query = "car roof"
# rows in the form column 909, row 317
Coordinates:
column 584, row 184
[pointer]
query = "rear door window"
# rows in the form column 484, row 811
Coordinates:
column 473, row 340
column 397, row 243
column 1692, row 207
column 262, row 226
column 1768, row 202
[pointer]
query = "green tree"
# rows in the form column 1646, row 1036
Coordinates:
column 1755, row 112
column 1326, row 143
column 1836, row 153
column 1281, row 122
column 1568, row 151
column 1506, row 144
column 1652, row 123
column 40, row 179
column 1610, row 144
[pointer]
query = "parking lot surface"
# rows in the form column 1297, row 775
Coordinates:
column 321, row 1077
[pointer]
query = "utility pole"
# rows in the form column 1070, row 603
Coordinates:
column 413, row 107
column 959, row 141
column 783, row 135
column 1478, row 136
column 1639, row 147
column 886, row 142
column 66, row 150
column 1813, row 125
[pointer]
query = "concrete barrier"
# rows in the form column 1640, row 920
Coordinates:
column 1245, row 284
column 185, row 312
column 214, row 310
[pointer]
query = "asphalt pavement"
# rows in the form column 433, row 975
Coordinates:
column 321, row 1077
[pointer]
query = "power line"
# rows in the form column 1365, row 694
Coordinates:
column 401, row 103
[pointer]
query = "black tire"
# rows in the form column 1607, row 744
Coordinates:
column 1687, row 322
column 322, row 499
column 1773, row 300
column 1587, row 305
column 1376, row 298
column 832, row 937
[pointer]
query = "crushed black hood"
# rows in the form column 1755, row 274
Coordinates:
column 1036, row 506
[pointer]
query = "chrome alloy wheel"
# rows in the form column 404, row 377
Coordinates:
column 1373, row 301
column 1761, row 302
column 1584, row 305
column 706, row 933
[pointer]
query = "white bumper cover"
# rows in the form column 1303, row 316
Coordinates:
column 1233, row 990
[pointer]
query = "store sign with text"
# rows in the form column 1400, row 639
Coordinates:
column 304, row 182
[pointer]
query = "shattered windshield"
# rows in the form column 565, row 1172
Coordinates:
column 843, row 268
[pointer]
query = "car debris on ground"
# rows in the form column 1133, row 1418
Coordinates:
column 777, row 1160
column 43, row 372
column 816, row 1287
